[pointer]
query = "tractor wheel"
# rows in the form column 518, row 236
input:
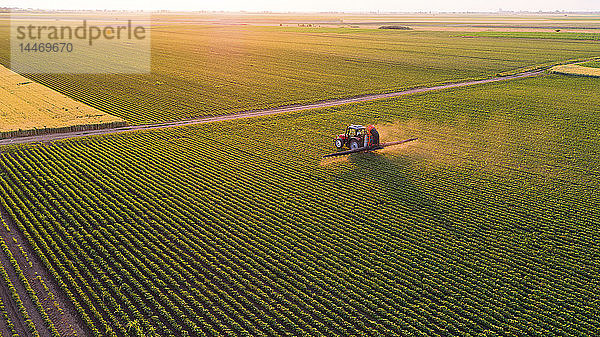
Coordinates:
column 339, row 143
column 354, row 144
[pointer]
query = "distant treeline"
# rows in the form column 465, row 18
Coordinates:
column 395, row 27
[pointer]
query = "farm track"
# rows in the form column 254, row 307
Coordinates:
column 259, row 113
column 68, row 322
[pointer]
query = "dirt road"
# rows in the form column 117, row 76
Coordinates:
column 258, row 113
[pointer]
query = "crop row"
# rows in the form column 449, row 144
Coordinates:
column 30, row 292
column 18, row 302
column 9, row 324
column 5, row 316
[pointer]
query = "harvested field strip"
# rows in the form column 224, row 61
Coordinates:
column 576, row 70
column 29, row 108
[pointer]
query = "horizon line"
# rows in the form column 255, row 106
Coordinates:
column 501, row 11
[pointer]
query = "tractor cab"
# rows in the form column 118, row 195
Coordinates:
column 355, row 131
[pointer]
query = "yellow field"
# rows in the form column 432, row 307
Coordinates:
column 27, row 107
column 573, row 69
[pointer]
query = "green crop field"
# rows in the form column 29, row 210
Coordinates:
column 538, row 35
column 485, row 226
column 206, row 70
column 593, row 64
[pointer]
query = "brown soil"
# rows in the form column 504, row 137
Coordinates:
column 11, row 309
column 58, row 307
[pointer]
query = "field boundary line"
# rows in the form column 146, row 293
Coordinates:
column 264, row 112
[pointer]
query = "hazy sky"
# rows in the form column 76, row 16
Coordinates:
column 312, row 5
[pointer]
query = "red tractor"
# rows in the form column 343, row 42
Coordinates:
column 358, row 136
